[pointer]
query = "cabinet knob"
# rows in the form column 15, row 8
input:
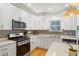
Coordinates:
column 3, row 55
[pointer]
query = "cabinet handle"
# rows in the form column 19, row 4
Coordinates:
column 6, row 54
column 3, row 55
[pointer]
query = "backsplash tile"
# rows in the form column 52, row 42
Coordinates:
column 4, row 33
column 64, row 32
column 69, row 32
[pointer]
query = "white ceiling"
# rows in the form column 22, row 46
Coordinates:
column 42, row 8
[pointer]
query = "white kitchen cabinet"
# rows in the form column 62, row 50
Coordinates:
column 16, row 13
column 5, row 16
column 8, row 50
column 9, row 12
column 77, row 20
column 69, row 23
column 33, row 43
column 43, row 42
column 37, row 22
column 23, row 15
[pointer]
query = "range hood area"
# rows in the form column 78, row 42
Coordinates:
column 18, row 24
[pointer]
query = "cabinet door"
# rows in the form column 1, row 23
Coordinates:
column 45, row 42
column 4, row 51
column 16, row 13
column 8, row 50
column 77, row 20
column 0, row 53
column 12, row 49
column 37, row 23
column 33, row 43
column 5, row 16
column 69, row 23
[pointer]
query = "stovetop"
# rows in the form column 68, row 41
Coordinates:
column 19, row 39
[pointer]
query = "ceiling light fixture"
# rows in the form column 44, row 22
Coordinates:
column 50, row 8
column 29, row 4
column 74, row 4
column 37, row 11
column 67, row 5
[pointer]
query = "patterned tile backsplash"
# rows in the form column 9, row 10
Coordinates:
column 69, row 32
column 64, row 32
column 4, row 33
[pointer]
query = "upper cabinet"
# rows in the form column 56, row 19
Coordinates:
column 77, row 19
column 16, row 13
column 36, row 22
column 9, row 12
column 5, row 16
column 60, row 23
column 69, row 23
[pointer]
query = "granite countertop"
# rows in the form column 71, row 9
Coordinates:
column 52, row 35
column 59, row 49
column 5, row 41
column 68, row 37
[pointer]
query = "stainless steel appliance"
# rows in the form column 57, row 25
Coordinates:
column 23, row 43
column 18, row 24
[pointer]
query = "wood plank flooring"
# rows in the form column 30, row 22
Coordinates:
column 38, row 52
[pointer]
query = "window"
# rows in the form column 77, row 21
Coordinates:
column 55, row 26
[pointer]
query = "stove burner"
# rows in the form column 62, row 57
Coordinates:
column 19, row 39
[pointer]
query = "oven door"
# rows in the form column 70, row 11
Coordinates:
column 23, row 49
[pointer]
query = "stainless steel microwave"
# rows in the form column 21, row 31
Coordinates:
column 18, row 24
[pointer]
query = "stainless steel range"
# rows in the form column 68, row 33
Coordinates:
column 23, row 43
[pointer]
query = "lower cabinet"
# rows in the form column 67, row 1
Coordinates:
column 33, row 43
column 43, row 42
column 8, row 50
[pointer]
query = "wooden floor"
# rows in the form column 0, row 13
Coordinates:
column 38, row 52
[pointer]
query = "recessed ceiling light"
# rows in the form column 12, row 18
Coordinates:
column 37, row 11
column 77, row 8
column 29, row 4
column 67, row 5
column 50, row 8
